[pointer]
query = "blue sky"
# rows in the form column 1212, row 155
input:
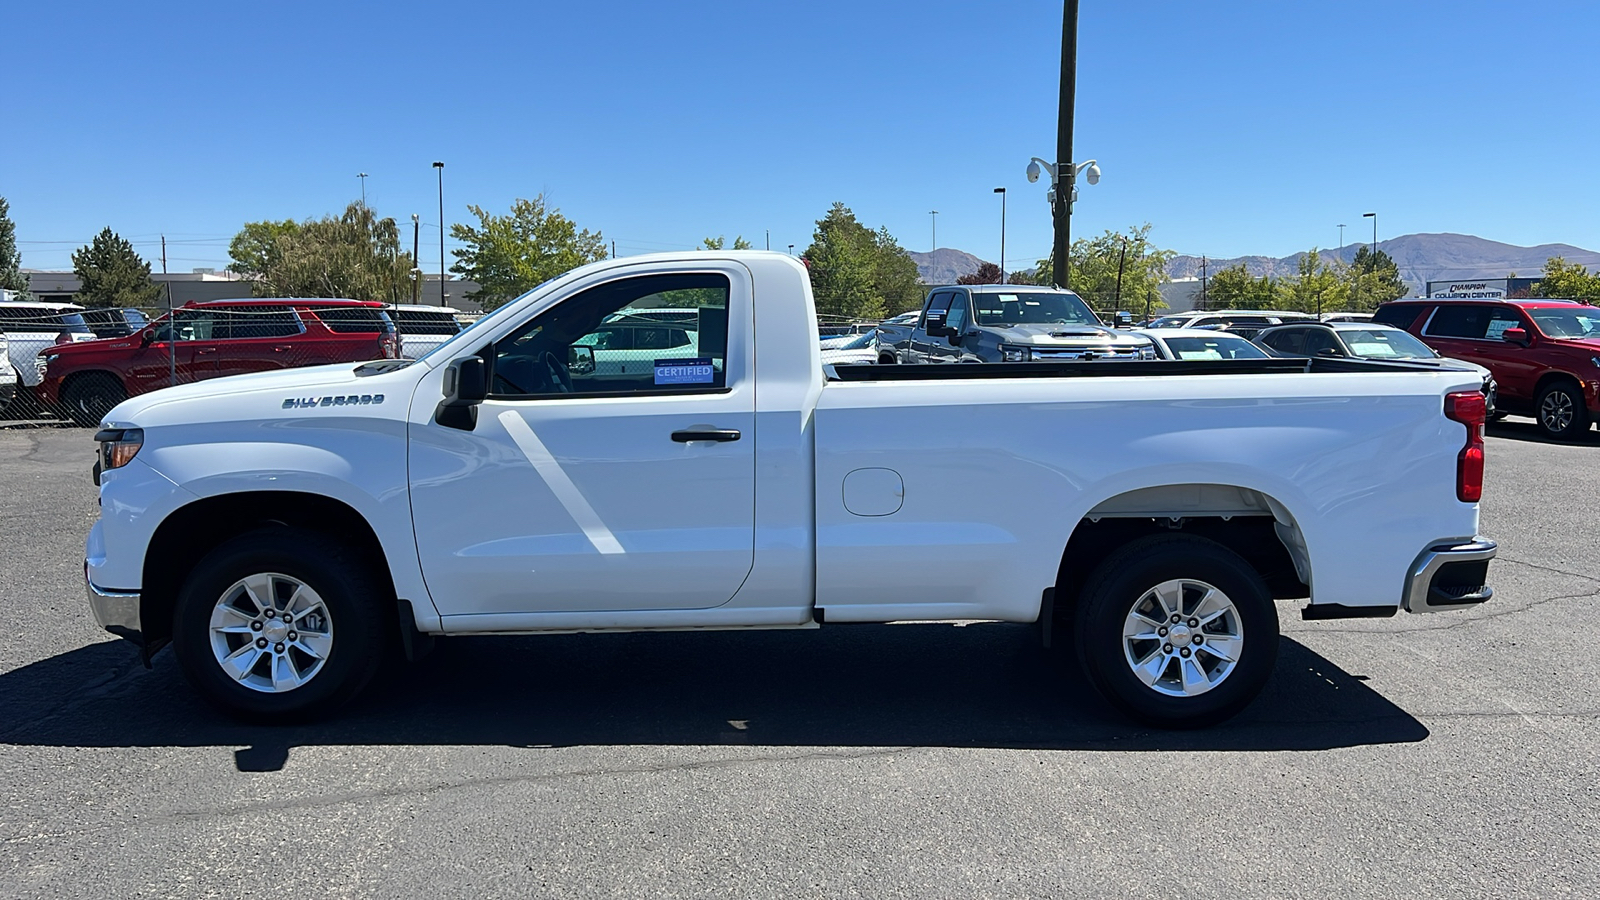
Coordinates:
column 1233, row 127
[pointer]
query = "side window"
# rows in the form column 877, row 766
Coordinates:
column 1500, row 319
column 600, row 342
column 1291, row 341
column 1398, row 316
column 1318, row 340
column 957, row 319
column 1459, row 321
column 194, row 325
column 244, row 323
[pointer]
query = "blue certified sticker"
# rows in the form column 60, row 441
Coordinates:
column 685, row 371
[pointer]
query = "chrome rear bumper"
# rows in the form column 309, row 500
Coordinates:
column 1450, row 576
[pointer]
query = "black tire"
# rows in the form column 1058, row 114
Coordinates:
column 353, row 601
column 887, row 359
column 1560, row 411
column 1124, row 580
column 87, row 398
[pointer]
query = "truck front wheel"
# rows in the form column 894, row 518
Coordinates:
column 1177, row 631
column 88, row 398
column 279, row 623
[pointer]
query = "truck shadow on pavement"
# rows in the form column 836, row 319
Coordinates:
column 981, row 685
column 1519, row 429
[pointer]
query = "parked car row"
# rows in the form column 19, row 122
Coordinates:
column 83, row 361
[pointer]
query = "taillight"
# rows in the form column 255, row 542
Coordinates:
column 391, row 346
column 1470, row 409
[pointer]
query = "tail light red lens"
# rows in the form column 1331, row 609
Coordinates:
column 391, row 346
column 1470, row 409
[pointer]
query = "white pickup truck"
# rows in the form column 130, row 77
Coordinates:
column 285, row 530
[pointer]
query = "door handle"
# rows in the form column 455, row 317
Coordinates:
column 204, row 350
column 706, row 434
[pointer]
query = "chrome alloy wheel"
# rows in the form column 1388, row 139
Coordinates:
column 1556, row 412
column 271, row 632
column 1182, row 638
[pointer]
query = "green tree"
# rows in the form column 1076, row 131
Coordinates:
column 718, row 243
column 1094, row 265
column 857, row 272
column 254, row 250
column 1316, row 286
column 509, row 255
column 1567, row 281
column 112, row 274
column 11, row 277
column 356, row 255
column 1236, row 288
column 1374, row 279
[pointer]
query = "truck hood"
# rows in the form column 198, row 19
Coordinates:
column 285, row 389
column 1062, row 335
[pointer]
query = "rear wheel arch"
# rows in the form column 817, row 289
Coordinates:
column 1255, row 525
column 192, row 531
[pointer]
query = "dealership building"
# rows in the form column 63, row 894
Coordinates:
column 1482, row 288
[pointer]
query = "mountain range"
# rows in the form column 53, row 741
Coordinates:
column 1420, row 257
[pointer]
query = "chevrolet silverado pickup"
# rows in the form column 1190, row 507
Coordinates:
column 285, row 530
column 1006, row 323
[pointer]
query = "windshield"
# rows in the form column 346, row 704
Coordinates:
column 1568, row 324
column 1170, row 322
column 855, row 343
column 1383, row 343
column 1030, row 309
column 1222, row 346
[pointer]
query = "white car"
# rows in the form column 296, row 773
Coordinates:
column 850, row 349
column 31, row 326
column 423, row 328
column 1200, row 343
column 8, row 374
column 286, row 530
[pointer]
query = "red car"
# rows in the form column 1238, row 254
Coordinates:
column 213, row 339
column 1544, row 354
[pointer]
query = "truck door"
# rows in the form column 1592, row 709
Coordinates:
column 924, row 347
column 581, row 490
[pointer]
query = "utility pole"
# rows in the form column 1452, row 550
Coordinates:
column 440, row 167
column 172, row 326
column 769, row 238
column 1064, row 185
column 416, row 261
column 363, row 177
column 933, row 215
column 1002, row 192
column 1202, row 282
column 613, row 248
column 1122, row 255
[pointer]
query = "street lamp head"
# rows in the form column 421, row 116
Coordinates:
column 999, row 190
column 1369, row 215
column 1033, row 172
column 413, row 218
column 1093, row 175
column 438, row 165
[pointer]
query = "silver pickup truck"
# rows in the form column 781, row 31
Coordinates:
column 1006, row 323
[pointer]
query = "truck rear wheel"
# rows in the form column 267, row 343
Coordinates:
column 88, row 398
column 1177, row 631
column 278, row 624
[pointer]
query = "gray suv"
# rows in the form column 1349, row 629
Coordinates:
column 1008, row 323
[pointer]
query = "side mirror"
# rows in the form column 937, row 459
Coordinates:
column 935, row 325
column 580, row 360
column 147, row 337
column 466, row 384
column 1518, row 336
column 1124, row 319
column 1329, row 353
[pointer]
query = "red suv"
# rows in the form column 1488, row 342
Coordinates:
column 1544, row 354
column 210, row 340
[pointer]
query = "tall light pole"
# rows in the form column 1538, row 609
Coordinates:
column 791, row 249
column 440, row 167
column 1002, row 192
column 1341, row 241
column 1062, row 194
column 1374, row 217
column 363, row 177
column 933, row 216
column 1069, row 85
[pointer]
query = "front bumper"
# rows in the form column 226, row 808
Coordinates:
column 1449, row 576
column 116, row 611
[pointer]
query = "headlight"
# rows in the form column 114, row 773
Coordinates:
column 118, row 447
column 1015, row 354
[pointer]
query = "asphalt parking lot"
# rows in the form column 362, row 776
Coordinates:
column 1452, row 755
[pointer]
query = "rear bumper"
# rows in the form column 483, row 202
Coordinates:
column 1449, row 576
